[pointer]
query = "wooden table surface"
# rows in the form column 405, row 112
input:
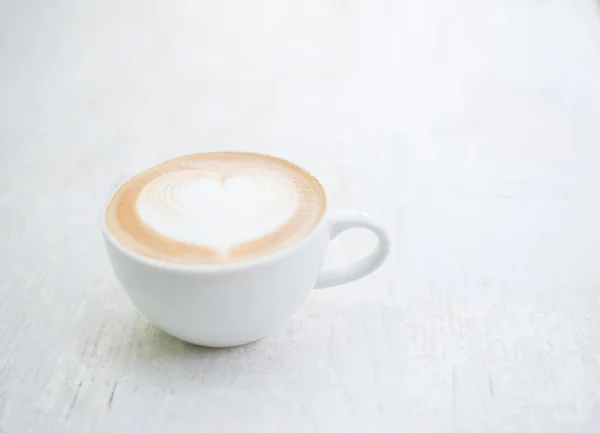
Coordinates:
column 471, row 128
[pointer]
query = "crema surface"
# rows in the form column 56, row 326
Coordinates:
column 214, row 208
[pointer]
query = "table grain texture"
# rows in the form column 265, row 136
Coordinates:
column 470, row 128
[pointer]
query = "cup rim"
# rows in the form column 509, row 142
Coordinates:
column 213, row 268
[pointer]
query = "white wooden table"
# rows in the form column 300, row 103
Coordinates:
column 471, row 128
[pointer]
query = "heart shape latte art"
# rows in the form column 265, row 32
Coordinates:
column 204, row 209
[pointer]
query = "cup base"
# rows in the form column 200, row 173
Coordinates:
column 211, row 343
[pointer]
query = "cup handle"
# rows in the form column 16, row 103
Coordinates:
column 341, row 221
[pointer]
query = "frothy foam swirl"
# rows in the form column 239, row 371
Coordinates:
column 215, row 208
column 196, row 208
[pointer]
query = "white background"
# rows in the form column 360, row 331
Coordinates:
column 471, row 128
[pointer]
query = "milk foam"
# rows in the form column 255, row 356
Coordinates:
column 219, row 212
column 215, row 208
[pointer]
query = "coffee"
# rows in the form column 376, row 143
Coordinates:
column 215, row 208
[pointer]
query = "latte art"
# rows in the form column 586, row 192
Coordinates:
column 215, row 208
column 217, row 213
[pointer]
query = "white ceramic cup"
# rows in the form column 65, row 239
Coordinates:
column 233, row 304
